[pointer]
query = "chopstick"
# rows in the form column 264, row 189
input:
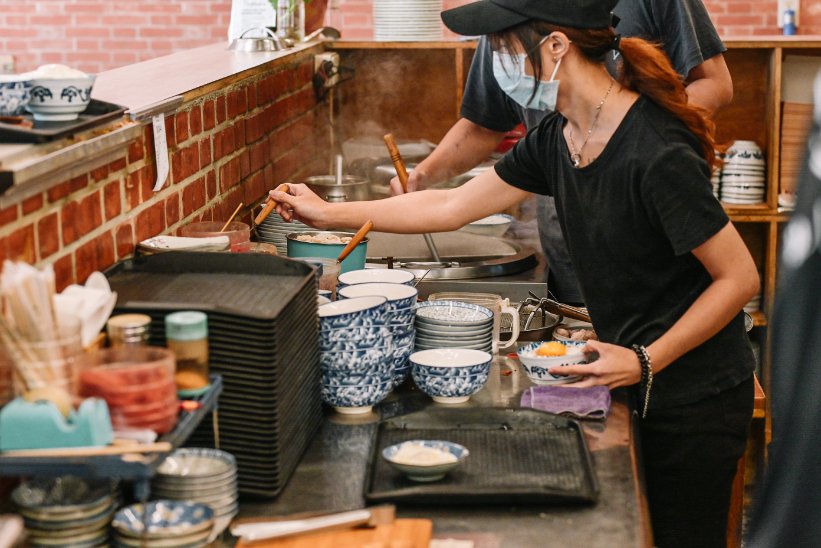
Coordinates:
column 231, row 218
column 270, row 206
column 357, row 238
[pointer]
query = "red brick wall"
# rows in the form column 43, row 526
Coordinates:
column 97, row 35
column 228, row 147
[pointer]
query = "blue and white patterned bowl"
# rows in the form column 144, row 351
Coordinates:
column 450, row 375
column 164, row 518
column 357, row 338
column 376, row 275
column 351, row 400
column 357, row 360
column 60, row 99
column 426, row 472
column 536, row 366
column 400, row 296
column 379, row 374
column 15, row 94
column 358, row 312
column 403, row 339
column 404, row 317
column 454, row 314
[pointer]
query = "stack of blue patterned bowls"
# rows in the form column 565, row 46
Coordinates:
column 356, row 353
column 401, row 315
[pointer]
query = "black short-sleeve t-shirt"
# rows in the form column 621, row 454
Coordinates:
column 630, row 220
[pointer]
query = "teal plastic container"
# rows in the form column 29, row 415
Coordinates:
column 354, row 261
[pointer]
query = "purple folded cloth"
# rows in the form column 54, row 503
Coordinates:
column 591, row 402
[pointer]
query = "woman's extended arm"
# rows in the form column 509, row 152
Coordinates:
column 412, row 213
column 735, row 281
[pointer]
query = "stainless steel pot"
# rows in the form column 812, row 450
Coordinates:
column 270, row 42
column 351, row 188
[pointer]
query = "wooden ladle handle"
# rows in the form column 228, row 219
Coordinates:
column 396, row 158
column 269, row 207
column 355, row 241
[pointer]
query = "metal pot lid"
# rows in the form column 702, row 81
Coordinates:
column 328, row 182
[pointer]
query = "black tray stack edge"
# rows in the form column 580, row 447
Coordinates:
column 270, row 407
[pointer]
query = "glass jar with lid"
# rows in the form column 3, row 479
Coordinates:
column 186, row 334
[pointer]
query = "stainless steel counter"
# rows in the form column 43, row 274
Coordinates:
column 331, row 477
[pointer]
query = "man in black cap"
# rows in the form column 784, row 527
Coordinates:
column 688, row 37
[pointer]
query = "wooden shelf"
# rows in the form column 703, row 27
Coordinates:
column 372, row 44
column 759, row 318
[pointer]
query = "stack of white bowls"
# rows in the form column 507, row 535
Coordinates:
column 274, row 229
column 743, row 178
column 453, row 324
column 754, row 304
column 407, row 20
column 401, row 314
column 355, row 353
column 715, row 179
column 208, row 476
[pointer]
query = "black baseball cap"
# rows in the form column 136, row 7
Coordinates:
column 490, row 16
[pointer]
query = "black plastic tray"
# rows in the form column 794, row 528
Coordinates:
column 516, row 456
column 97, row 113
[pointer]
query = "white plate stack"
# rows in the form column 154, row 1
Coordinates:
column 743, row 179
column 715, row 180
column 274, row 229
column 407, row 20
column 754, row 304
column 453, row 324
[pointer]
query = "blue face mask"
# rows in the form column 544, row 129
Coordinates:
column 509, row 72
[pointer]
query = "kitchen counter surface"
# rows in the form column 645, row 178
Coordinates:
column 332, row 472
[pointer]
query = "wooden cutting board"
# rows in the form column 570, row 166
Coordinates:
column 402, row 533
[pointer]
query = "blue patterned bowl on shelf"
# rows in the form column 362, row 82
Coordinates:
column 403, row 317
column 373, row 375
column 450, row 375
column 536, row 367
column 164, row 519
column 59, row 99
column 15, row 94
column 417, row 466
column 403, row 339
column 351, row 400
column 377, row 275
column 400, row 297
column 357, row 312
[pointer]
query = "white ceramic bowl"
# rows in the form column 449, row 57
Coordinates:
column 450, row 375
column 377, row 275
column 492, row 225
column 425, row 472
column 59, row 99
column 537, row 367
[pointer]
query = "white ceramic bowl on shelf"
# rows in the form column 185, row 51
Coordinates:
column 58, row 98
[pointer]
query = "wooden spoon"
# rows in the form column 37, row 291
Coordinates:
column 269, row 207
column 355, row 241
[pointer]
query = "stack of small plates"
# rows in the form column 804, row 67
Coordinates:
column 453, row 324
column 274, row 229
column 743, row 179
column 407, row 20
column 66, row 511
column 170, row 524
column 208, row 476
column 715, row 180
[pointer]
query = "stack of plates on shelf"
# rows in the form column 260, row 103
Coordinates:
column 208, row 476
column 453, row 324
column 715, row 180
column 743, row 178
column 66, row 511
column 754, row 304
column 407, row 20
column 163, row 524
column 274, row 229
column 262, row 335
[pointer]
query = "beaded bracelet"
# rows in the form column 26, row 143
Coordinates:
column 646, row 374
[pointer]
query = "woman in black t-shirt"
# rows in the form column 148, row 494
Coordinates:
column 663, row 272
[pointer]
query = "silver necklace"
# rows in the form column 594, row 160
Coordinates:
column 576, row 155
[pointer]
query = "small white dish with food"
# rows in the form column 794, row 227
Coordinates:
column 425, row 460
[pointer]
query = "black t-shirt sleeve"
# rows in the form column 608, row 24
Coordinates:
column 525, row 166
column 679, row 199
column 484, row 103
column 687, row 33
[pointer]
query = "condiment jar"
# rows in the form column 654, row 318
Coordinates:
column 186, row 333
column 128, row 330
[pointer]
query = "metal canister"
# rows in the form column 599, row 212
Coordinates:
column 128, row 330
column 348, row 189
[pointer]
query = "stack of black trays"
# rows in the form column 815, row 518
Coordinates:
column 263, row 333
